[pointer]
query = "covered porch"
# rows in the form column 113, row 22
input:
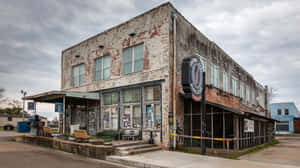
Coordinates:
column 79, row 108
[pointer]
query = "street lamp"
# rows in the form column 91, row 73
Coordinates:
column 23, row 94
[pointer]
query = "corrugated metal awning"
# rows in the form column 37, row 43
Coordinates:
column 57, row 96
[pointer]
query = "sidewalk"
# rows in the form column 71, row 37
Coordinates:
column 164, row 159
column 8, row 135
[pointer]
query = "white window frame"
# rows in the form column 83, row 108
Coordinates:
column 253, row 96
column 152, row 103
column 110, row 106
column 225, row 82
column 242, row 90
column 102, row 68
column 133, row 48
column 80, row 74
column 214, row 75
column 234, row 82
column 248, row 94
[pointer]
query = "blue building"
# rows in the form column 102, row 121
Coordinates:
column 284, row 113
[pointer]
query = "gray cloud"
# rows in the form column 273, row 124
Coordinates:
column 261, row 35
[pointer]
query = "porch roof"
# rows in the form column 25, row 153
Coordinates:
column 57, row 96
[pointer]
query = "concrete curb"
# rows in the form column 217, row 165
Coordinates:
column 6, row 138
column 119, row 160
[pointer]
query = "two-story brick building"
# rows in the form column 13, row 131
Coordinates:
column 125, row 79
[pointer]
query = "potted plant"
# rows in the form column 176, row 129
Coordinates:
column 96, row 141
column 72, row 137
column 64, row 136
column 55, row 134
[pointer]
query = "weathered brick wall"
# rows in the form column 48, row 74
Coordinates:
column 152, row 29
column 190, row 41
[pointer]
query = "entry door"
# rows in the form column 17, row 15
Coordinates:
column 131, row 117
column 152, row 122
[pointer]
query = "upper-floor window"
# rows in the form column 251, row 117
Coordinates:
column 242, row 90
column 9, row 118
column 253, row 96
column 203, row 62
column 78, row 75
column 278, row 111
column 248, row 94
column 286, row 111
column 214, row 75
column 225, row 82
column 234, row 86
column 102, row 68
column 133, row 59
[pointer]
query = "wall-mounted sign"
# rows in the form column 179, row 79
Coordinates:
column 192, row 77
column 59, row 107
column 31, row 106
column 248, row 125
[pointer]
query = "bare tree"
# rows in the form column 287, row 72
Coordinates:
column 273, row 92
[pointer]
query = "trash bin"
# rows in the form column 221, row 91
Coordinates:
column 23, row 127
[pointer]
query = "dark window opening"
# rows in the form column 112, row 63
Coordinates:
column 279, row 112
column 286, row 111
column 9, row 118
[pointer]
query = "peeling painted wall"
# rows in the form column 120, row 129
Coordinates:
column 152, row 29
column 190, row 41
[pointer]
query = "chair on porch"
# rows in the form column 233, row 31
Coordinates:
column 81, row 135
column 47, row 131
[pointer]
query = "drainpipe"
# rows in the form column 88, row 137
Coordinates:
column 174, row 81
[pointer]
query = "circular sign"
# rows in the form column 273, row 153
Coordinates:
column 192, row 77
column 196, row 76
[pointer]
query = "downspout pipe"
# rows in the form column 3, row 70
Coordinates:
column 174, row 81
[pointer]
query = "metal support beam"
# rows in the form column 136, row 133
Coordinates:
column 223, row 128
column 203, row 117
column 64, row 114
column 212, row 126
column 191, row 122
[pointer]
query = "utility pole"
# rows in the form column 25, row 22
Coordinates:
column 23, row 94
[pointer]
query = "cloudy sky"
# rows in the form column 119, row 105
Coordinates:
column 261, row 35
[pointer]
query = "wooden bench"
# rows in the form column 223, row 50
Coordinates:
column 47, row 131
column 81, row 135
